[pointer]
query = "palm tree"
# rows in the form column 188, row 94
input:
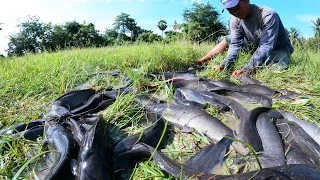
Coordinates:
column 316, row 29
column 294, row 36
column 162, row 25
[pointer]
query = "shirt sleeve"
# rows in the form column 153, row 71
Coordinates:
column 236, row 43
column 267, row 42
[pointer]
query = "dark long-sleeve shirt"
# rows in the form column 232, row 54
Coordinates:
column 263, row 28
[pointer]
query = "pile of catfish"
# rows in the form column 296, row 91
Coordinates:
column 81, row 146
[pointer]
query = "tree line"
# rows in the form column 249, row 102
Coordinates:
column 200, row 23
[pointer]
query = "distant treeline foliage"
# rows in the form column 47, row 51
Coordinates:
column 201, row 23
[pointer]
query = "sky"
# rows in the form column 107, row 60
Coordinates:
column 147, row 13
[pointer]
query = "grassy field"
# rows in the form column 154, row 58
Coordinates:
column 29, row 84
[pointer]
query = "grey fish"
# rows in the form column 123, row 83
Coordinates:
column 312, row 129
column 237, row 109
column 251, row 88
column 196, row 96
column 302, row 149
column 180, row 99
column 209, row 160
column 197, row 119
column 280, row 172
column 187, row 75
column 195, row 84
column 222, row 83
column 181, row 171
column 273, row 152
column 248, row 98
column 248, row 79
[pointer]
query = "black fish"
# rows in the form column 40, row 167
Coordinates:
column 209, row 160
column 95, row 156
column 150, row 136
column 273, row 152
column 246, row 129
column 69, row 101
column 60, row 139
column 301, row 148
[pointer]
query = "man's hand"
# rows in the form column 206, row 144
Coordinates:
column 238, row 72
column 200, row 61
column 218, row 67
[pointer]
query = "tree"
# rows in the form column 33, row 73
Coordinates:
column 202, row 23
column 316, row 29
column 316, row 26
column 30, row 37
column 148, row 37
column 295, row 36
column 0, row 27
column 125, row 24
column 162, row 25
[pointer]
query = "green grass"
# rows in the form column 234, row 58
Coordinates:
column 29, row 84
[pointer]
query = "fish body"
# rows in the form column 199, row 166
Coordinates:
column 273, row 152
column 95, row 156
column 312, row 129
column 197, row 119
column 60, row 139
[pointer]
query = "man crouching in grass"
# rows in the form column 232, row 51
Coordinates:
column 256, row 25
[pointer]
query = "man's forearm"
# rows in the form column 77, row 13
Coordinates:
column 220, row 47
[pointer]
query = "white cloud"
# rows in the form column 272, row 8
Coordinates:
column 307, row 17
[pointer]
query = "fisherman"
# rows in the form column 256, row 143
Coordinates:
column 255, row 25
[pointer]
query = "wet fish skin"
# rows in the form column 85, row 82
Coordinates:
column 197, row 119
column 60, row 139
column 75, row 128
column 237, row 109
column 248, row 79
column 246, row 129
column 303, row 148
column 34, row 132
column 181, row 171
column 209, row 160
column 248, row 97
column 151, row 136
column 222, row 83
column 71, row 100
column 273, row 152
column 194, row 84
column 95, row 156
column 251, row 88
column 298, row 171
column 187, row 75
column 165, row 163
column 312, row 129
column 197, row 96
column 179, row 99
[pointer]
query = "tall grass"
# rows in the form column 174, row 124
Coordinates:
column 29, row 84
